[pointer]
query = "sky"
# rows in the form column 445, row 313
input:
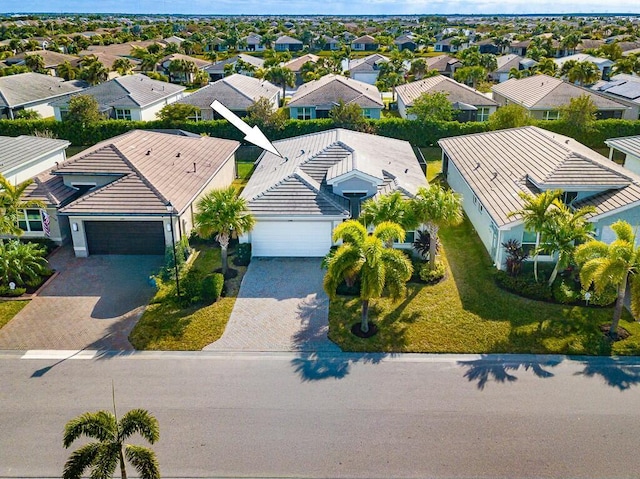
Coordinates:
column 327, row 7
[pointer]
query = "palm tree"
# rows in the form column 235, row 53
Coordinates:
column 12, row 204
column 281, row 76
column 614, row 265
column 436, row 207
column 547, row 66
column 536, row 213
column 35, row 62
column 93, row 71
column 365, row 257
column 21, row 262
column 391, row 207
column 222, row 212
column 67, row 71
column 123, row 66
column 110, row 449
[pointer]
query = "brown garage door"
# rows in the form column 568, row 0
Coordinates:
column 124, row 237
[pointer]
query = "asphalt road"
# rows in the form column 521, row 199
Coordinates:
column 285, row 415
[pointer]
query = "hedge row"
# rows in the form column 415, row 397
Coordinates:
column 416, row 132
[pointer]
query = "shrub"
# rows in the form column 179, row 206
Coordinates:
column 12, row 293
column 524, row 286
column 565, row 291
column 432, row 275
column 212, row 286
column 515, row 256
column 191, row 287
column 344, row 290
column 606, row 298
column 422, row 243
column 243, row 254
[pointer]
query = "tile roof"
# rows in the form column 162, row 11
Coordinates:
column 173, row 167
column 296, row 64
column 49, row 189
column 628, row 144
column 457, row 92
column 540, row 92
column 108, row 59
column 298, row 184
column 367, row 64
column 507, row 62
column 25, row 88
column 218, row 67
column 179, row 56
column 51, row 59
column 583, row 57
column 441, row 63
column 365, row 39
column 121, row 49
column 500, row 164
column 17, row 151
column 330, row 89
column 285, row 39
column 236, row 92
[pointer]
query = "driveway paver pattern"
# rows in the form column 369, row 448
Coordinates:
column 281, row 306
column 93, row 303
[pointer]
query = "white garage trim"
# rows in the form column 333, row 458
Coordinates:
column 291, row 238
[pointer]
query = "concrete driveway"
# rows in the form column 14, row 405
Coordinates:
column 281, row 306
column 93, row 303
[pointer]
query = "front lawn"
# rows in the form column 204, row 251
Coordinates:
column 8, row 309
column 468, row 313
column 165, row 325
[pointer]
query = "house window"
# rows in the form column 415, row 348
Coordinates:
column 197, row 116
column 366, row 112
column 30, row 220
column 568, row 197
column 410, row 237
column 122, row 114
column 64, row 114
column 551, row 115
column 529, row 241
column 482, row 114
column 304, row 113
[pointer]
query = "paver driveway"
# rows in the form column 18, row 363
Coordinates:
column 281, row 306
column 93, row 303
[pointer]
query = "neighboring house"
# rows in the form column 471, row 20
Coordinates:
column 520, row 48
column 252, row 43
column 447, row 46
column 588, row 44
column 113, row 198
column 366, row 69
column 216, row 45
column 286, row 43
column 624, row 89
column 543, row 95
column 51, row 60
column 628, row 148
column 490, row 169
column 180, row 77
column 316, row 98
column 487, row 46
column 24, row 157
column 32, row 91
column 330, row 43
column 365, row 43
column 173, row 40
column 216, row 70
column 121, row 49
column 443, row 64
column 405, row 42
column 506, row 63
column 295, row 65
column 603, row 64
column 471, row 104
column 323, row 180
column 131, row 97
column 236, row 92
column 108, row 61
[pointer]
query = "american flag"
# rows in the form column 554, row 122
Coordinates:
column 46, row 223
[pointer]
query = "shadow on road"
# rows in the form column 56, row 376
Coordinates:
column 620, row 373
column 500, row 370
column 316, row 366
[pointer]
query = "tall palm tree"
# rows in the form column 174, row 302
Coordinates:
column 12, row 204
column 281, row 76
column 222, row 212
column 536, row 213
column 436, row 207
column 110, row 449
column 123, row 66
column 67, row 71
column 616, row 264
column 35, row 62
column 365, row 257
column 547, row 66
column 392, row 207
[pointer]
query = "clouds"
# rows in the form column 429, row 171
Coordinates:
column 327, row 7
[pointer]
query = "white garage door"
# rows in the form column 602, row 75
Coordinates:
column 291, row 238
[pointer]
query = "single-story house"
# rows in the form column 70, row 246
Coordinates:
column 295, row 65
column 133, row 193
column 216, row 70
column 471, row 104
column 122, row 49
column 624, row 89
column 508, row 62
column 316, row 98
column 329, row 43
column 216, row 45
column 366, row 69
column 130, row 97
column 627, row 149
column 365, row 43
column 164, row 67
column 108, row 61
column 252, row 43
column 489, row 170
column 286, row 43
column 488, row 45
column 520, row 47
column 323, row 180
column 51, row 60
column 543, row 95
column 604, row 64
column 447, row 45
column 24, row 157
column 443, row 64
column 405, row 42
column 32, row 91
column 236, row 92
column 173, row 39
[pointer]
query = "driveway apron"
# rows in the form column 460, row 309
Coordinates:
column 93, row 303
column 281, row 306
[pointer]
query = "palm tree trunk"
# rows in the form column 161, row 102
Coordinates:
column 364, row 320
column 223, row 239
column 617, row 311
column 554, row 273
column 123, row 470
column 433, row 244
column 535, row 267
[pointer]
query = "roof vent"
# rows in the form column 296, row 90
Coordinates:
column 477, row 166
column 178, row 155
column 406, row 170
column 148, row 152
column 495, row 175
column 567, row 142
column 194, row 167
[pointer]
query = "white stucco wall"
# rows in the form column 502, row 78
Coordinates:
column 34, row 167
column 632, row 163
column 369, row 78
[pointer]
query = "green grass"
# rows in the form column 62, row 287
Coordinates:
column 245, row 170
column 468, row 313
column 167, row 326
column 8, row 309
column 74, row 150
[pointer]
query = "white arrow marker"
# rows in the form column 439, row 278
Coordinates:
column 252, row 135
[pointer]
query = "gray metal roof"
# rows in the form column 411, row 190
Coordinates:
column 236, row 92
column 26, row 88
column 544, row 92
column 367, row 64
column 298, row 185
column 285, row 39
column 17, row 151
column 457, row 92
column 330, row 89
column 500, row 164
column 629, row 145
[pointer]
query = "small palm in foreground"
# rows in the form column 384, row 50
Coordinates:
column 614, row 264
column 12, row 204
column 219, row 213
column 109, row 450
column 365, row 257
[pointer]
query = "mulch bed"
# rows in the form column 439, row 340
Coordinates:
column 622, row 333
column 355, row 329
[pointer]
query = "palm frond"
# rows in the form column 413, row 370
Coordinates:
column 143, row 460
column 99, row 425
column 623, row 231
column 80, row 460
column 106, row 461
column 142, row 422
column 588, row 251
column 350, row 231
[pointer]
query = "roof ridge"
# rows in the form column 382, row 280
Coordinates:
column 99, row 190
column 233, row 87
column 300, row 174
column 107, row 145
column 50, row 195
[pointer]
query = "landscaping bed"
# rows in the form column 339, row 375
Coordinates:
column 8, row 309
